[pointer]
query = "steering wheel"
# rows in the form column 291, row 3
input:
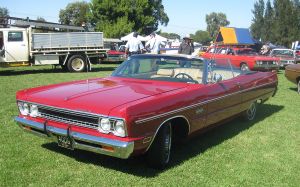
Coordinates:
column 185, row 76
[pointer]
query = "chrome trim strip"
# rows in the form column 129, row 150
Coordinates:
column 122, row 149
column 198, row 104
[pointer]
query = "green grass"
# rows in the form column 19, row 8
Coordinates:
column 264, row 152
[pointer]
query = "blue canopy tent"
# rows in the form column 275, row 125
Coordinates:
column 234, row 36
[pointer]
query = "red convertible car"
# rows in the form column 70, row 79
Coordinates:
column 244, row 58
column 148, row 103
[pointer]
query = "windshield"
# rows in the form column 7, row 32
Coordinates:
column 283, row 53
column 162, row 68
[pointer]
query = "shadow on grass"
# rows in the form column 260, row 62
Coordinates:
column 49, row 70
column 294, row 89
column 181, row 152
column 31, row 71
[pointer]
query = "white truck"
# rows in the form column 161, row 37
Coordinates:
column 73, row 51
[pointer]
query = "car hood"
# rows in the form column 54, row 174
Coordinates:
column 97, row 95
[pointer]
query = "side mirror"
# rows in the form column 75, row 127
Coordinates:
column 217, row 78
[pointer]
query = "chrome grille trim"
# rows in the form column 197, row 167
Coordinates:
column 69, row 121
column 75, row 113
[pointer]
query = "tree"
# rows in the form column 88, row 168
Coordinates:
column 202, row 37
column 170, row 35
column 119, row 17
column 4, row 12
column 283, row 22
column 214, row 21
column 258, row 19
column 267, row 29
column 75, row 13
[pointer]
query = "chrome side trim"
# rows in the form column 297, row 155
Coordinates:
column 198, row 104
column 121, row 149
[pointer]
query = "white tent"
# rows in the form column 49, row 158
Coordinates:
column 127, row 37
column 163, row 39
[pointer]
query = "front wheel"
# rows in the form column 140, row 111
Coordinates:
column 158, row 156
column 76, row 63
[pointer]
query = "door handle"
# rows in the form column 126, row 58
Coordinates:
column 23, row 45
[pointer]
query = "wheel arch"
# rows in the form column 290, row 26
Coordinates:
column 180, row 127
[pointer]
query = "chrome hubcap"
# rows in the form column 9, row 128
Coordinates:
column 251, row 112
column 244, row 67
column 77, row 64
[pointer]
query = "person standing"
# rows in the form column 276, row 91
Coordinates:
column 153, row 45
column 186, row 46
column 133, row 45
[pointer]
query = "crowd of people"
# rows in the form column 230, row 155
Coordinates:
column 135, row 46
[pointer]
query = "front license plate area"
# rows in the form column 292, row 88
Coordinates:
column 65, row 142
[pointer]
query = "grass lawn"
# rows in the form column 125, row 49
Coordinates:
column 265, row 152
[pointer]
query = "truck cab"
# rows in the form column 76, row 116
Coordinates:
column 14, row 45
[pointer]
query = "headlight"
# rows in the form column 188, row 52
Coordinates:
column 34, row 111
column 104, row 125
column 23, row 108
column 119, row 129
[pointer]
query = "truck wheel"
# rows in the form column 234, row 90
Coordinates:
column 158, row 155
column 299, row 86
column 244, row 67
column 76, row 63
column 250, row 113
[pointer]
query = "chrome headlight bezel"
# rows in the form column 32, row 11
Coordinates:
column 24, row 108
column 104, row 125
column 28, row 109
column 119, row 128
column 34, row 110
column 115, row 126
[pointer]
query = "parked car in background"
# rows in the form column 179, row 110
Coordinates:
column 243, row 58
column 286, row 56
column 292, row 73
column 114, row 56
column 146, row 105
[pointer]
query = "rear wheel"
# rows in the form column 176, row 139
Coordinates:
column 250, row 113
column 158, row 155
column 76, row 63
column 244, row 67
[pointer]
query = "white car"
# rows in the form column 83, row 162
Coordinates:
column 287, row 56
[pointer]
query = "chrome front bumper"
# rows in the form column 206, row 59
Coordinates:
column 81, row 141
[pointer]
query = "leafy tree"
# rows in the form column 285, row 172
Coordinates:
column 201, row 37
column 4, row 12
column 214, row 21
column 119, row 17
column 258, row 19
column 283, row 22
column 169, row 35
column 267, row 29
column 74, row 14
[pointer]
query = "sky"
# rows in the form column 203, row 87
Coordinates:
column 186, row 16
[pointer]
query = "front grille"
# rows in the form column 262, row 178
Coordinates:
column 70, row 117
column 268, row 62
